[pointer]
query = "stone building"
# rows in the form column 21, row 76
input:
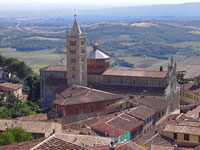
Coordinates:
column 94, row 71
column 190, row 92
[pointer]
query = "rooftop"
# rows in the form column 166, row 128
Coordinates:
column 194, row 113
column 76, row 94
column 28, row 126
column 10, row 86
column 182, row 129
column 38, row 117
column 150, row 102
column 107, row 129
column 135, row 73
column 72, row 142
column 141, row 112
column 23, row 145
column 61, row 68
column 96, row 54
column 191, row 87
column 125, row 122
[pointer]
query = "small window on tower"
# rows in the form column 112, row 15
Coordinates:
column 73, row 76
column 72, row 52
column 73, row 60
column 83, row 67
column 83, row 50
column 73, row 68
column 72, row 43
column 82, row 60
column 82, row 42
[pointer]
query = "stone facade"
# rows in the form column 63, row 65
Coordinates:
column 76, row 56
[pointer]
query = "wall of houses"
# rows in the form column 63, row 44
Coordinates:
column 180, row 137
column 87, row 108
column 134, row 81
column 50, row 81
column 187, row 97
column 54, row 128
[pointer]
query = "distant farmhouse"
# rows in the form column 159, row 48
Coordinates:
column 93, row 70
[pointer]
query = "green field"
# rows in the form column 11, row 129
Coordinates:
column 35, row 59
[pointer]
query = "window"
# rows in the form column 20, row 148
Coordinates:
column 146, row 82
column 82, row 42
column 83, row 76
column 199, row 139
column 73, row 60
column 82, row 60
column 175, row 136
column 76, row 111
column 73, row 68
column 83, row 50
column 92, row 108
column 72, row 52
column 72, row 43
column 73, row 76
column 186, row 137
column 133, row 81
column 83, row 67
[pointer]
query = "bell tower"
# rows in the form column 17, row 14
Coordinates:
column 76, row 55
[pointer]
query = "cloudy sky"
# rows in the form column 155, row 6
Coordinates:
column 90, row 3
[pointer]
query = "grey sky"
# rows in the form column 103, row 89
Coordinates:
column 91, row 3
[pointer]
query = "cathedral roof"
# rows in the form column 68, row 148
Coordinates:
column 62, row 68
column 96, row 54
column 76, row 94
column 135, row 73
column 75, row 28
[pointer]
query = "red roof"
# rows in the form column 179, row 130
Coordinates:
column 10, row 86
column 125, row 122
column 55, row 68
column 108, row 129
column 191, row 87
column 76, row 94
column 135, row 73
column 38, row 117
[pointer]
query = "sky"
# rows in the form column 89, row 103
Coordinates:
column 88, row 3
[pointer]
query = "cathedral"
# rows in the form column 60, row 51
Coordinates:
column 93, row 70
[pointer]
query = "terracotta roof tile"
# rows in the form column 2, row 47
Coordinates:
column 135, row 73
column 28, row 126
column 72, row 142
column 191, row 87
column 107, row 129
column 23, row 145
column 4, row 86
column 125, row 122
column 62, row 68
column 141, row 112
column 79, row 94
column 38, row 117
column 182, row 129
column 150, row 102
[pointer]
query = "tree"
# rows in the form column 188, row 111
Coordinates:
column 7, row 138
column 180, row 76
column 161, row 68
column 14, row 135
